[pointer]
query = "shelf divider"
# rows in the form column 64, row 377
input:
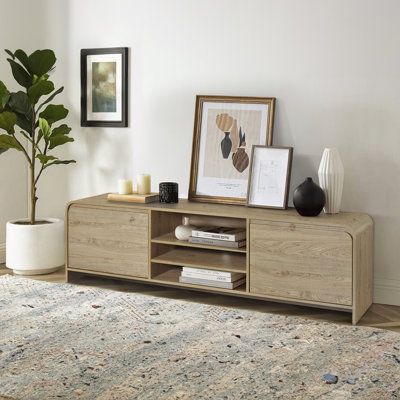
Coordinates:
column 202, row 258
column 169, row 238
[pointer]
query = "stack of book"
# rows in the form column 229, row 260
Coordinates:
column 219, row 236
column 210, row 277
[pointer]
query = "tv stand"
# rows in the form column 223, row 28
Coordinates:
column 324, row 261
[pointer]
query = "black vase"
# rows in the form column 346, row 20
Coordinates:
column 168, row 192
column 308, row 199
column 226, row 145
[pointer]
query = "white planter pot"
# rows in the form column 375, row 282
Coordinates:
column 331, row 178
column 35, row 249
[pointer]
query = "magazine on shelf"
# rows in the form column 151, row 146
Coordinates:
column 212, row 272
column 210, row 277
column 215, row 242
column 218, row 284
column 220, row 233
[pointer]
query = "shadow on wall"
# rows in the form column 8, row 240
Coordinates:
column 108, row 156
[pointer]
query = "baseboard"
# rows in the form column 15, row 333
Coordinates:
column 2, row 253
column 387, row 291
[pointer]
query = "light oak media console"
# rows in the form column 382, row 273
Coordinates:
column 323, row 261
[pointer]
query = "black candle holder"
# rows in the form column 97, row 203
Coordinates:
column 168, row 192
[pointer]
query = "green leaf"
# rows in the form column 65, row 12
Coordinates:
column 39, row 136
column 41, row 61
column 53, row 113
column 7, row 121
column 22, row 58
column 59, row 140
column 41, row 88
column 24, row 123
column 57, row 162
column 4, row 95
column 20, row 74
column 61, row 130
column 50, row 98
column 45, row 159
column 10, row 53
column 19, row 102
column 9, row 142
column 45, row 128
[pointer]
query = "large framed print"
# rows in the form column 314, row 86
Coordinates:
column 269, row 181
column 104, row 87
column 225, row 129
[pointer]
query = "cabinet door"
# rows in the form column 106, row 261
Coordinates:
column 111, row 241
column 302, row 263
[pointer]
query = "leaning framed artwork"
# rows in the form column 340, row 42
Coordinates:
column 269, row 180
column 104, row 87
column 225, row 129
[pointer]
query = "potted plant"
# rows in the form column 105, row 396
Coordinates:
column 27, row 125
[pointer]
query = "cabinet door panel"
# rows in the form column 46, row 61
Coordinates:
column 108, row 241
column 300, row 263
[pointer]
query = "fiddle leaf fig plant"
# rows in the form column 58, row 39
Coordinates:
column 28, row 120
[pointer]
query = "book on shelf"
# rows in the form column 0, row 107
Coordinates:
column 134, row 197
column 220, row 233
column 215, row 242
column 207, row 282
column 234, row 277
column 212, row 272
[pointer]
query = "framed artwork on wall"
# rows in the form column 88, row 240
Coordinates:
column 104, row 87
column 225, row 129
column 269, row 181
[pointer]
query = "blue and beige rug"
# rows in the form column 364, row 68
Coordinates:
column 63, row 341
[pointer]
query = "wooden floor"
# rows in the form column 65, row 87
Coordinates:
column 379, row 315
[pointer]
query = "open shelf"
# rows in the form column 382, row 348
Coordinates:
column 169, row 238
column 202, row 258
column 171, row 276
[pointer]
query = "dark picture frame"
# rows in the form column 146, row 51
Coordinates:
column 254, row 119
column 269, row 178
column 110, row 113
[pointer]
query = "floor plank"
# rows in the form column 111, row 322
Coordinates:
column 378, row 316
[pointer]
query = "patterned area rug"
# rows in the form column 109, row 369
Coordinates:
column 73, row 342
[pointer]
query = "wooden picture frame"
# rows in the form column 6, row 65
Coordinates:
column 219, row 166
column 269, row 179
column 104, row 87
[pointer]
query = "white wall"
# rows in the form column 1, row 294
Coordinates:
column 333, row 65
column 20, row 28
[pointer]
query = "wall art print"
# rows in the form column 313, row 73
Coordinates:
column 104, row 87
column 269, row 179
column 225, row 130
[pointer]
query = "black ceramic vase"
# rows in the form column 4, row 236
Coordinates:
column 226, row 145
column 168, row 192
column 308, row 199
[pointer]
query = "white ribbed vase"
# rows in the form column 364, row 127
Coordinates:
column 331, row 178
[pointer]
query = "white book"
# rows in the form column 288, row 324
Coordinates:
column 220, row 233
column 212, row 277
column 215, row 242
column 206, row 282
column 211, row 272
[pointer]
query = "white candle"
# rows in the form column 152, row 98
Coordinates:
column 143, row 183
column 124, row 186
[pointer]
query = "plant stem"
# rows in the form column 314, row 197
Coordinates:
column 32, row 168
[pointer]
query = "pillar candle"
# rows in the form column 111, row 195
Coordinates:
column 143, row 183
column 124, row 186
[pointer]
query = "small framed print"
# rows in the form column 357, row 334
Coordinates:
column 225, row 129
column 104, row 87
column 269, row 181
